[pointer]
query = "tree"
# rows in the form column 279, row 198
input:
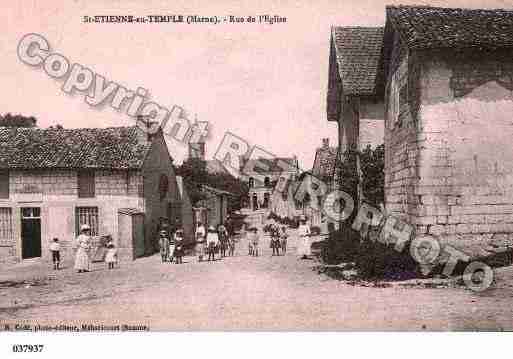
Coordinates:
column 194, row 173
column 9, row 120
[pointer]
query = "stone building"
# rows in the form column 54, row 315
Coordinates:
column 118, row 180
column 448, row 81
column 353, row 100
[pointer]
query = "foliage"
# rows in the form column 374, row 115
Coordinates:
column 286, row 221
column 372, row 164
column 9, row 120
column 194, row 172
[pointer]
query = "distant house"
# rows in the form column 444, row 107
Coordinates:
column 447, row 79
column 262, row 174
column 118, row 180
column 212, row 210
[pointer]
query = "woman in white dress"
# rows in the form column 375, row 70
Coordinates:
column 304, row 246
column 82, row 260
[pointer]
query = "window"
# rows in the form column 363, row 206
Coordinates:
column 4, row 184
column 85, row 184
column 6, row 236
column 251, row 182
column 267, row 181
column 89, row 216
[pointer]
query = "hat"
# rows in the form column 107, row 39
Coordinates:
column 211, row 228
column 85, row 227
column 163, row 232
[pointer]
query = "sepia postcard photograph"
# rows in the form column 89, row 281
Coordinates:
column 269, row 166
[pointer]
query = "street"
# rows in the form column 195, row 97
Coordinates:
column 242, row 293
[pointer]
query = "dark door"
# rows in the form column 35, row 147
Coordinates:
column 30, row 232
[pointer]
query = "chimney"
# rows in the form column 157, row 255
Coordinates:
column 325, row 143
column 149, row 127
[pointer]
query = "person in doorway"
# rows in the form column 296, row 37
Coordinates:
column 212, row 242
column 200, row 241
column 82, row 260
column 304, row 246
column 164, row 245
column 111, row 258
column 55, row 248
column 179, row 250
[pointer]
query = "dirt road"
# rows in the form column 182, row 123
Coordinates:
column 242, row 293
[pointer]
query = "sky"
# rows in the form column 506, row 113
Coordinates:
column 265, row 83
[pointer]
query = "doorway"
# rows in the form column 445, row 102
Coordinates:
column 30, row 232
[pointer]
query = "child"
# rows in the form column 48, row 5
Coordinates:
column 55, row 248
column 179, row 246
column 212, row 242
column 231, row 243
column 111, row 258
column 283, row 238
column 249, row 237
column 255, row 240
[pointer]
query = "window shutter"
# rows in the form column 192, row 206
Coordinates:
column 86, row 188
column 4, row 184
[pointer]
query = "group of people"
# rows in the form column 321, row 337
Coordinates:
column 83, row 244
column 213, row 241
column 172, row 249
column 279, row 239
column 208, row 243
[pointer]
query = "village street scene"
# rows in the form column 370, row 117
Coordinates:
column 392, row 212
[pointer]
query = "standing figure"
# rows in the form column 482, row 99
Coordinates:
column 249, row 237
column 283, row 238
column 179, row 250
column 231, row 246
column 254, row 241
column 111, row 258
column 172, row 249
column 55, row 248
column 212, row 242
column 223, row 240
column 201, row 247
column 275, row 240
column 82, row 260
column 304, row 246
column 164, row 245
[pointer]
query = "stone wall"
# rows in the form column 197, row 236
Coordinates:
column 449, row 162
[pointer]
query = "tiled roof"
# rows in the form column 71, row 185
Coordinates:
column 324, row 163
column 106, row 148
column 423, row 27
column 272, row 165
column 357, row 51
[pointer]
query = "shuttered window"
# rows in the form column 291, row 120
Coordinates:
column 89, row 216
column 4, row 184
column 6, row 236
column 86, row 184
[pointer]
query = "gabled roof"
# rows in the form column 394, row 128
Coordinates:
column 357, row 53
column 422, row 27
column 93, row 148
